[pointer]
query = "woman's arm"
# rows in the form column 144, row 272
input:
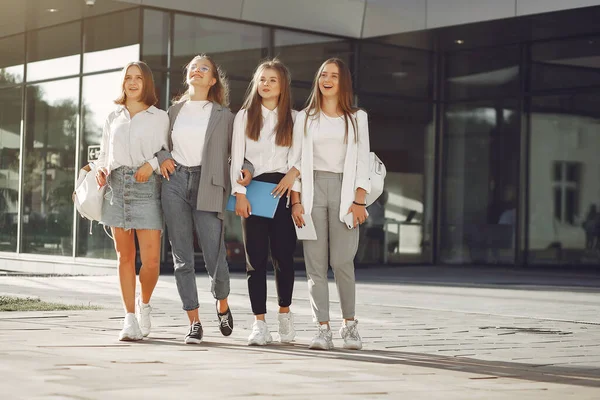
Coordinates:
column 238, row 151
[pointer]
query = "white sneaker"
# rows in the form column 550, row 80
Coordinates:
column 260, row 335
column 131, row 330
column 287, row 333
column 142, row 313
column 349, row 332
column 323, row 340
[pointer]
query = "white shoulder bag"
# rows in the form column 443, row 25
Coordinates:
column 377, row 173
column 88, row 198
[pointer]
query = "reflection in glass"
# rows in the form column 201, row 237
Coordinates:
column 46, row 60
column 565, row 63
column 156, row 38
column 236, row 47
column 395, row 70
column 12, row 57
column 10, row 144
column 51, row 127
column 98, row 95
column 564, row 168
column 111, row 41
column 303, row 53
column 400, row 222
column 479, row 183
column 483, row 73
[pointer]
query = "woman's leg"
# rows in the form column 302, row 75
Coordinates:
column 178, row 217
column 149, row 241
column 125, row 247
column 316, row 257
column 255, row 231
column 211, row 235
column 282, row 237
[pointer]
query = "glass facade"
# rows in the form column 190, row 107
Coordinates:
column 490, row 145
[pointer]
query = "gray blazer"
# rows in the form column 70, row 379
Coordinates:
column 215, row 185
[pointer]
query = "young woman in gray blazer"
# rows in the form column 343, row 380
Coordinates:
column 196, row 187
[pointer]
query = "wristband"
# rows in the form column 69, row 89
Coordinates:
column 296, row 203
column 360, row 204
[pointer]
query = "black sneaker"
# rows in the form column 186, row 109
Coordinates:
column 225, row 321
column 194, row 336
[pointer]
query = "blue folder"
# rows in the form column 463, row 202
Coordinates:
column 261, row 200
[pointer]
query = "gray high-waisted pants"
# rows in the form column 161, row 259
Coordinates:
column 335, row 245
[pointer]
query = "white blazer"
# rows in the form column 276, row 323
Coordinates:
column 356, row 164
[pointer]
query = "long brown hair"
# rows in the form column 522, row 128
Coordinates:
column 148, row 97
column 218, row 93
column 345, row 95
column 252, row 104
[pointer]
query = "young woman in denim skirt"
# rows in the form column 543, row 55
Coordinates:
column 196, row 188
column 262, row 134
column 132, row 134
column 331, row 151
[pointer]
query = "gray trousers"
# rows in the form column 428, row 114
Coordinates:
column 335, row 245
column 179, row 196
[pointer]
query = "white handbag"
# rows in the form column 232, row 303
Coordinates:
column 377, row 173
column 88, row 197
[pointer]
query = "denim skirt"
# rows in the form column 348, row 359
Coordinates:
column 129, row 204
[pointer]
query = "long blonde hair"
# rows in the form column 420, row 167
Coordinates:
column 218, row 93
column 345, row 96
column 252, row 104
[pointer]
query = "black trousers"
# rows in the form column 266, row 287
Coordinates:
column 264, row 237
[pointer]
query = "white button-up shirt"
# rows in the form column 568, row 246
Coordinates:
column 131, row 142
column 264, row 154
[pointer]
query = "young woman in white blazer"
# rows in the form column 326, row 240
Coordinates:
column 331, row 151
column 262, row 134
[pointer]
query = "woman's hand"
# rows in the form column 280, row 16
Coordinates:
column 242, row 205
column 143, row 173
column 247, row 178
column 359, row 212
column 167, row 168
column 101, row 177
column 285, row 184
column 298, row 215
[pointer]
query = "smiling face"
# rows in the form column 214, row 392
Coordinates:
column 269, row 84
column 200, row 73
column 329, row 80
column 133, row 84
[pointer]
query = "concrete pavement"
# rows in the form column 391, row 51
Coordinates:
column 428, row 333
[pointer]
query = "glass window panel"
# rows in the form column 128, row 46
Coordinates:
column 49, row 157
column 394, row 70
column 558, row 204
column 564, row 131
column 565, row 63
column 236, row 47
column 400, row 224
column 479, row 182
column 111, row 41
column 54, row 52
column 303, row 53
column 98, row 94
column 12, row 57
column 486, row 73
column 156, row 38
column 558, row 171
column 10, row 145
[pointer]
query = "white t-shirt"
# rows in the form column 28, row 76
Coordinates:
column 329, row 148
column 189, row 132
